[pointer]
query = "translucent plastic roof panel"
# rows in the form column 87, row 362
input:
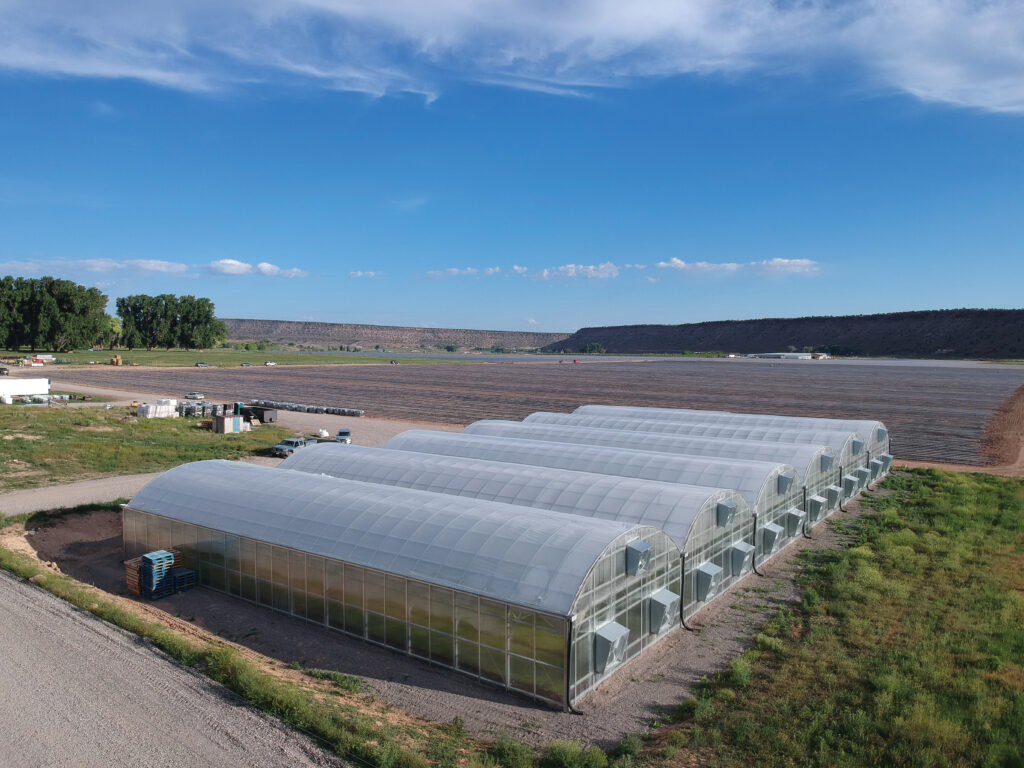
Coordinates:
column 839, row 440
column 514, row 554
column 667, row 506
column 875, row 431
column 805, row 457
column 752, row 479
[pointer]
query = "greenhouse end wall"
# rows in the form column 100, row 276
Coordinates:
column 520, row 649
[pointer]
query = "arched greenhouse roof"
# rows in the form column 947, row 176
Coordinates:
column 804, row 456
column 839, row 440
column 668, row 506
column 517, row 555
column 866, row 427
column 750, row 478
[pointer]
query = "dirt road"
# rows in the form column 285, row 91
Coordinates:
column 84, row 693
column 72, row 494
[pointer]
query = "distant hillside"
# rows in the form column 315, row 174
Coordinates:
column 388, row 337
column 953, row 333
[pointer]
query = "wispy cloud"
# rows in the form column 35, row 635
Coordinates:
column 776, row 266
column 58, row 267
column 453, row 272
column 236, row 267
column 519, row 270
column 361, row 273
column 962, row 52
column 413, row 203
column 605, row 270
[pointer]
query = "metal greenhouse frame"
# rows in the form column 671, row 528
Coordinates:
column 849, row 447
column 816, row 464
column 773, row 490
column 545, row 604
column 875, row 432
column 710, row 526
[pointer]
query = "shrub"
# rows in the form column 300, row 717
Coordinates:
column 629, row 745
column 561, row 754
column 765, row 643
column 740, row 671
column 509, row 753
column 684, row 710
column 594, row 757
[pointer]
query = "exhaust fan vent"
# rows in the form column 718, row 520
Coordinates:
column 726, row 512
column 834, row 494
column 827, row 460
column 863, row 476
column 881, row 434
column 741, row 557
column 794, row 521
column 877, row 467
column 771, row 537
column 638, row 557
column 709, row 580
column 816, row 506
column 850, row 485
column 785, row 481
column 886, row 459
column 610, row 647
column 664, row 609
column 858, row 446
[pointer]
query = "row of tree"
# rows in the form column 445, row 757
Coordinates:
column 58, row 315
column 169, row 321
column 47, row 313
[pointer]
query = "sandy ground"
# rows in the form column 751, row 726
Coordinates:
column 88, row 547
column 91, row 695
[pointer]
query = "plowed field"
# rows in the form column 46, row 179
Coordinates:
column 936, row 411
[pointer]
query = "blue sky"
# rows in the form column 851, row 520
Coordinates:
column 518, row 165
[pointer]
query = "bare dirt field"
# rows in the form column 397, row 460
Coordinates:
column 81, row 692
column 88, row 547
column 936, row 411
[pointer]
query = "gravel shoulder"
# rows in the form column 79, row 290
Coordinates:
column 89, row 694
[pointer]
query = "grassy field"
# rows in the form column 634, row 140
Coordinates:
column 42, row 446
column 908, row 648
column 228, row 358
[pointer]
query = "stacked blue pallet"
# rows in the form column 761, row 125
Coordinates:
column 155, row 578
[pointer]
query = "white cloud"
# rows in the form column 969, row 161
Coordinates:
column 236, row 267
column 74, row 266
column 410, row 203
column 788, row 266
column 698, row 266
column 531, row 320
column 453, row 272
column 634, row 266
column 361, row 273
column 962, row 52
column 779, row 266
column 581, row 270
column 492, row 270
column 519, row 270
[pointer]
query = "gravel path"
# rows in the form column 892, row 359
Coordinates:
column 72, row 494
column 80, row 692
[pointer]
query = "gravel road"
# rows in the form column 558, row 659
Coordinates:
column 80, row 692
column 72, row 494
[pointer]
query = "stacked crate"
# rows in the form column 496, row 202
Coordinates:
column 184, row 578
column 155, row 579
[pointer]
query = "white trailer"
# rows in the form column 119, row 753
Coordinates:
column 13, row 386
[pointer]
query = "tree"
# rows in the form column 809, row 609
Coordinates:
column 593, row 348
column 168, row 321
column 47, row 313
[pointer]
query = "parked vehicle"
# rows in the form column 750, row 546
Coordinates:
column 288, row 446
column 270, row 362
column 195, row 396
column 247, row 365
column 344, row 436
column 5, row 371
column 202, row 365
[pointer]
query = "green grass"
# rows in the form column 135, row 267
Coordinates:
column 42, row 446
column 907, row 650
column 229, row 358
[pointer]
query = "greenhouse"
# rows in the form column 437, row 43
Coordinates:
column 849, row 447
column 875, row 431
column 542, row 603
column 773, row 490
column 816, row 464
column 713, row 528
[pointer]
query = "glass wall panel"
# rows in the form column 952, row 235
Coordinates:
column 467, row 616
column 334, row 574
column 550, row 645
column 214, row 577
column 441, row 649
column 265, row 574
column 492, row 665
column 396, row 634
column 493, row 623
column 521, row 639
column 297, row 582
column 336, row 615
column 419, row 641
column 231, row 556
column 520, row 673
column 375, row 629
column 354, row 619
column 247, row 556
column 468, row 658
column 395, row 603
column 373, row 589
column 418, row 597
column 234, row 583
column 247, row 587
column 441, row 607
column 550, row 682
